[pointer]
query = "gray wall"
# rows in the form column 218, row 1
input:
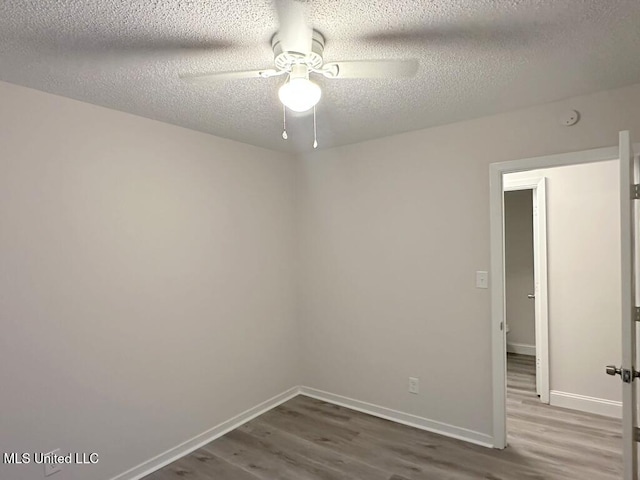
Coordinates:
column 519, row 274
column 146, row 288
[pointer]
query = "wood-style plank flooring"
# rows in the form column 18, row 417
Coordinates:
column 306, row 439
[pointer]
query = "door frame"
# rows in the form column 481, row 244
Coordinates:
column 496, row 219
column 537, row 184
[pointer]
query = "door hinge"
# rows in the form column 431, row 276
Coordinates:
column 636, row 313
column 636, row 434
column 635, row 192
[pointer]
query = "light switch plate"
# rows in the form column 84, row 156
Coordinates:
column 482, row 279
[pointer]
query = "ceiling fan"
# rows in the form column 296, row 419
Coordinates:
column 298, row 53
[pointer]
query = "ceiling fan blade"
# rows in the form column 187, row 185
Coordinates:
column 133, row 46
column 477, row 36
column 214, row 77
column 167, row 46
column 371, row 69
column 295, row 33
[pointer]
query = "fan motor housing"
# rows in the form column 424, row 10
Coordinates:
column 285, row 60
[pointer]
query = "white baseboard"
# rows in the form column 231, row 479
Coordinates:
column 173, row 454
column 185, row 448
column 583, row 403
column 521, row 348
column 401, row 417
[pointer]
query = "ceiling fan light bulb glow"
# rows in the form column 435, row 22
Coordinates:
column 299, row 94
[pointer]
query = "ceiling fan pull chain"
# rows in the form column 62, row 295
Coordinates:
column 315, row 136
column 284, row 122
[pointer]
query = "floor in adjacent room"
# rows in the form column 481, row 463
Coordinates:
column 306, row 439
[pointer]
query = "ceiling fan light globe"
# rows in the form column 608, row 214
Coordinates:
column 299, row 94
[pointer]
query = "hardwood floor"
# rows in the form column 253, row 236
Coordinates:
column 306, row 439
column 558, row 442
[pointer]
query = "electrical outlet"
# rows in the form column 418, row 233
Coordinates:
column 414, row 385
column 51, row 468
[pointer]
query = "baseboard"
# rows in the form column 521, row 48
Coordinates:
column 521, row 348
column 401, row 417
column 583, row 403
column 185, row 448
column 173, row 454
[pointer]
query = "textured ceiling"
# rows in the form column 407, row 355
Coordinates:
column 477, row 57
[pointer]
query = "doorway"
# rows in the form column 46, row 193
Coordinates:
column 519, row 275
column 582, row 204
column 525, row 253
column 498, row 178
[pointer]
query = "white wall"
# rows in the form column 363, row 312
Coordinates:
column 392, row 233
column 583, row 264
column 519, row 274
column 146, row 287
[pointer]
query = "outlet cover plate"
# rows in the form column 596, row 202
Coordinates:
column 414, row 385
column 51, row 468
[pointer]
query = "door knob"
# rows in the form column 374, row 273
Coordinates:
column 531, row 296
column 613, row 370
column 628, row 375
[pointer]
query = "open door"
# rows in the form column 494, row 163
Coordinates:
column 627, row 371
column 540, row 289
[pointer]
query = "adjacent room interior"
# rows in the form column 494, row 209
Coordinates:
column 562, row 285
column 252, row 240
